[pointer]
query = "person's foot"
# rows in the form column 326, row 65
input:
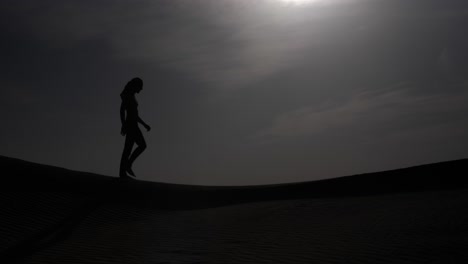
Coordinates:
column 125, row 176
column 130, row 171
column 127, row 179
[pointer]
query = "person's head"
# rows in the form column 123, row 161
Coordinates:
column 135, row 85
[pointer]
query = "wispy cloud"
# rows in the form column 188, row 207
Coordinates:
column 385, row 112
column 223, row 44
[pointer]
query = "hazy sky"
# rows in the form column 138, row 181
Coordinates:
column 237, row 91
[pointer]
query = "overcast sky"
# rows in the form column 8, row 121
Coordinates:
column 237, row 91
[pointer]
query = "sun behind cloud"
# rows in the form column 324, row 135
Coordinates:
column 299, row 2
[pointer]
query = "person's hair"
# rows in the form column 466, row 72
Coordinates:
column 131, row 84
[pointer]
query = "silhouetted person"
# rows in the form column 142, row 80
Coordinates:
column 130, row 119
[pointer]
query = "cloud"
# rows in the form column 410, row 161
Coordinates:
column 232, row 50
column 223, row 44
column 382, row 112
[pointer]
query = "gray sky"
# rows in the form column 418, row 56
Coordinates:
column 237, row 91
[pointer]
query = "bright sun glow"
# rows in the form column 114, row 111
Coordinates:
column 299, row 2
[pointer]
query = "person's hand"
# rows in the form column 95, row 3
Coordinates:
column 148, row 128
column 123, row 131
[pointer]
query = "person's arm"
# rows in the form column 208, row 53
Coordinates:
column 122, row 119
column 144, row 124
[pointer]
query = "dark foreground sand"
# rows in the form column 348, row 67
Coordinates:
column 415, row 215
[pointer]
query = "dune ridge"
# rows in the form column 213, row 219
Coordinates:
column 411, row 215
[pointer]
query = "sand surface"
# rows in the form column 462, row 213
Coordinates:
column 70, row 226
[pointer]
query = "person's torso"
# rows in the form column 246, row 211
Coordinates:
column 131, row 106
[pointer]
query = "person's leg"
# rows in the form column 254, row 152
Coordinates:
column 141, row 146
column 129, row 141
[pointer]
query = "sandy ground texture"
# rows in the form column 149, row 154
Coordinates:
column 414, row 215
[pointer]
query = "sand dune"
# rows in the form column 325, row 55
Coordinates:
column 412, row 215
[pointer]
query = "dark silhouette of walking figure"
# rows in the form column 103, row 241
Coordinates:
column 130, row 119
